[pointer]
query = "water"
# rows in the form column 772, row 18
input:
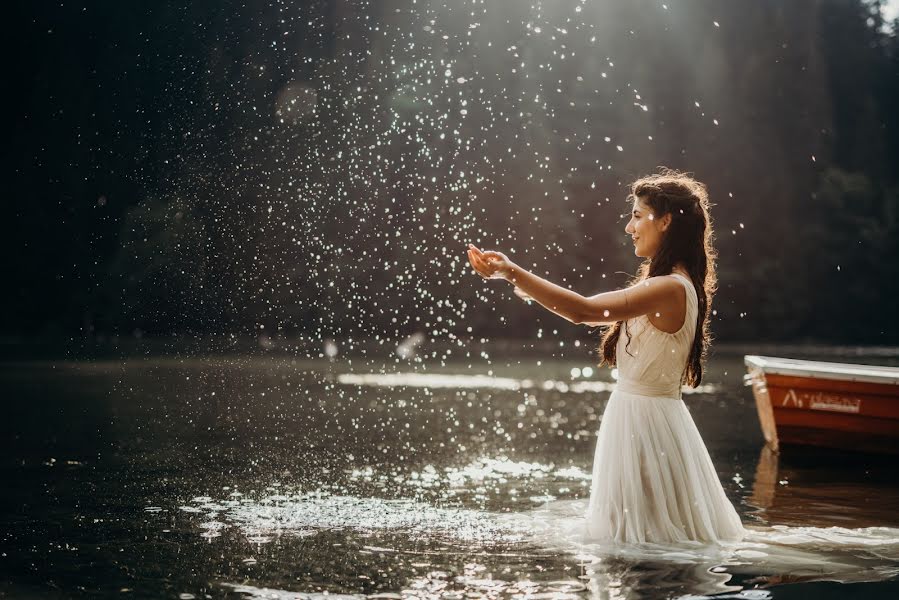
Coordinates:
column 272, row 477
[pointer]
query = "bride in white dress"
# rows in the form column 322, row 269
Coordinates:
column 653, row 480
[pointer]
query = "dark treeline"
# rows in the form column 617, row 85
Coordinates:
column 316, row 169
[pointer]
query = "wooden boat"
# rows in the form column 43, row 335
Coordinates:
column 835, row 405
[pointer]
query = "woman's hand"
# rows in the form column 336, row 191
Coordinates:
column 554, row 298
column 490, row 264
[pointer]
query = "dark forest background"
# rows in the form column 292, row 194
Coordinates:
column 316, row 169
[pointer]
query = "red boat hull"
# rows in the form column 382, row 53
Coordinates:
column 851, row 415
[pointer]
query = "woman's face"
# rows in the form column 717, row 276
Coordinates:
column 645, row 230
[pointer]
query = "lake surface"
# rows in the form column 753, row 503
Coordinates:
column 230, row 477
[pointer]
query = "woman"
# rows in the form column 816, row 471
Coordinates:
column 653, row 479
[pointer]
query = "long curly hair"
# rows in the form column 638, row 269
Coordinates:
column 689, row 240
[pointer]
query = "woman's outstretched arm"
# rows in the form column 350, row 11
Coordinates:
column 656, row 294
column 567, row 304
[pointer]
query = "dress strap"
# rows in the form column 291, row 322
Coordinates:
column 692, row 305
column 688, row 281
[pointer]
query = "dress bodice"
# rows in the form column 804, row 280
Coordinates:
column 654, row 362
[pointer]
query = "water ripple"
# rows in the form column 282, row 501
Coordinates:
column 303, row 514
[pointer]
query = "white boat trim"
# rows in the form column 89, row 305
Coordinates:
column 824, row 370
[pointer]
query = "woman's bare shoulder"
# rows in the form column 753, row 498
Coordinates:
column 665, row 281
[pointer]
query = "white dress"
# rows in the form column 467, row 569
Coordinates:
column 653, row 479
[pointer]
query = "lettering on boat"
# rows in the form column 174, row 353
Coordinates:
column 792, row 400
column 821, row 401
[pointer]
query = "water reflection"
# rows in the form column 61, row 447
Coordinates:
column 770, row 555
column 256, row 478
column 822, row 488
column 301, row 514
column 450, row 380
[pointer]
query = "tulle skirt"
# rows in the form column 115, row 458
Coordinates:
column 653, row 479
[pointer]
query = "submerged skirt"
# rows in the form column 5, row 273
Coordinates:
column 653, row 479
